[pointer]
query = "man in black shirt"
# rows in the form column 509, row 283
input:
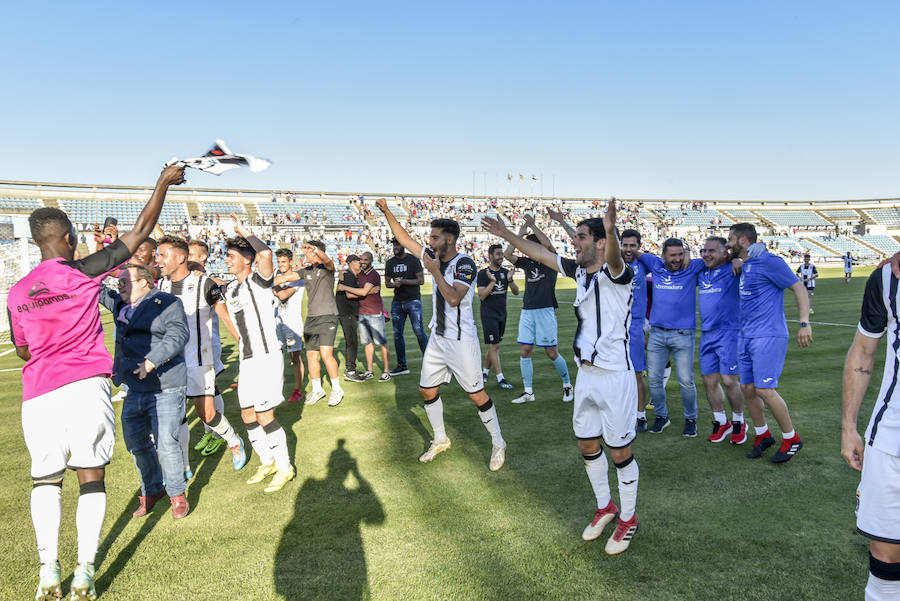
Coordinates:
column 493, row 282
column 537, row 323
column 348, row 310
column 403, row 272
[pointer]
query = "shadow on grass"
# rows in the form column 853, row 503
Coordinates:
column 321, row 554
column 121, row 523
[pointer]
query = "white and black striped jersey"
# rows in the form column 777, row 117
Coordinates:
column 848, row 263
column 251, row 306
column 199, row 295
column 806, row 273
column 603, row 309
column 879, row 316
column 457, row 322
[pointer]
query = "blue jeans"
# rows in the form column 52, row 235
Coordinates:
column 399, row 311
column 678, row 344
column 158, row 414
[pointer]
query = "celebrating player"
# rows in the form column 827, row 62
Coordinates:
column 251, row 307
column 290, row 319
column 849, row 262
column 631, row 248
column 808, row 274
column 67, row 416
column 453, row 348
column 606, row 389
column 493, row 282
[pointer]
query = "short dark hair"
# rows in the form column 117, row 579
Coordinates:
column 42, row 222
column 151, row 241
column 744, row 229
column 286, row 253
column 317, row 243
column 175, row 242
column 493, row 247
column 142, row 273
column 241, row 246
column 533, row 238
column 718, row 239
column 395, row 242
column 632, row 234
column 447, row 226
column 371, row 256
column 670, row 242
column 806, row 256
column 595, row 227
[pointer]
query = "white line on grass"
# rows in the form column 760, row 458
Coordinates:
column 11, row 369
column 825, row 323
column 7, row 352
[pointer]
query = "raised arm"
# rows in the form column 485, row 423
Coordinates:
column 561, row 220
column 398, row 230
column 146, row 221
column 614, row 261
column 264, row 265
column 534, row 250
column 541, row 236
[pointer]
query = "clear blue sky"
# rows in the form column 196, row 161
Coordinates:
column 731, row 100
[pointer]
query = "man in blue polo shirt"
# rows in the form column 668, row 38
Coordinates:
column 673, row 322
column 762, row 346
column 719, row 326
column 631, row 247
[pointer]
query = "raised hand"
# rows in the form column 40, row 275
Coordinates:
column 239, row 228
column 555, row 215
column 609, row 219
column 381, row 204
column 494, row 226
column 172, row 175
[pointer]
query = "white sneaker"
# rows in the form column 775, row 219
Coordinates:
column 337, row 395
column 437, row 446
column 525, row 397
column 314, row 397
column 498, row 457
column 601, row 518
column 568, row 393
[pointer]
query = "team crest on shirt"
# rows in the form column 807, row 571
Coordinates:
column 536, row 275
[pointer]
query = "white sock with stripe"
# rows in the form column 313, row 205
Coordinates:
column 628, row 474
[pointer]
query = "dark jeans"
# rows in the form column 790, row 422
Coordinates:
column 146, row 414
column 399, row 311
column 350, row 326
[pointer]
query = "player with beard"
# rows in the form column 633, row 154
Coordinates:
column 201, row 298
column 251, row 307
column 67, row 415
column 493, row 282
column 631, row 248
column 606, row 389
column 403, row 272
column 762, row 346
column 453, row 348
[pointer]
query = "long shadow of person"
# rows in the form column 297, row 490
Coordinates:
column 321, row 554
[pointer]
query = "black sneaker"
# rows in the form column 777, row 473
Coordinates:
column 762, row 443
column 504, row 384
column 641, row 425
column 400, row 370
column 690, row 428
column 788, row 449
column 353, row 376
column 660, row 424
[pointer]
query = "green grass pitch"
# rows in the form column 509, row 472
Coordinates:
column 365, row 520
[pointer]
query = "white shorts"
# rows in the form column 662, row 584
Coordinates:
column 605, row 405
column 201, row 381
column 445, row 357
column 261, row 382
column 73, row 426
column 878, row 497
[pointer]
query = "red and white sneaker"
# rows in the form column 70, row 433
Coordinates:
column 738, row 432
column 601, row 518
column 720, row 432
column 621, row 537
column 296, row 396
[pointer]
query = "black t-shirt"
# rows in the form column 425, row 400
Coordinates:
column 495, row 303
column 406, row 267
column 347, row 305
column 540, row 284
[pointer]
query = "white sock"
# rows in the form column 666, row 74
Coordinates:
column 719, row 416
column 221, row 426
column 184, row 437
column 259, row 443
column 737, row 417
column 500, row 377
column 278, row 445
column 529, row 390
column 89, row 520
column 628, row 487
column 597, row 470
column 485, row 371
column 435, row 413
column 878, row 589
column 488, row 415
column 46, row 515
column 219, row 406
column 788, row 435
column 642, row 414
column 316, row 384
column 761, row 429
column 335, row 384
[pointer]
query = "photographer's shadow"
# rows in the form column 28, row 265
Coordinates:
column 321, row 554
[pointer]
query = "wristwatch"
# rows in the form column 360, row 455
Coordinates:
column 804, row 324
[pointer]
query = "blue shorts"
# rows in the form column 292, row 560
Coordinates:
column 636, row 346
column 761, row 360
column 537, row 327
column 290, row 339
column 718, row 352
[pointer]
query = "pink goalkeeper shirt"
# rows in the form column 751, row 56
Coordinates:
column 54, row 311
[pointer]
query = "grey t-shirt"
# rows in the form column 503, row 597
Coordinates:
column 319, row 284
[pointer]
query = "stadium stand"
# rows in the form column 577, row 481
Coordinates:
column 742, row 216
column 884, row 243
column 702, row 218
column 221, row 208
column 841, row 244
column 794, row 218
column 841, row 214
column 126, row 211
column 20, row 205
column 889, row 217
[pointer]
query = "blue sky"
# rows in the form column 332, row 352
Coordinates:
column 715, row 100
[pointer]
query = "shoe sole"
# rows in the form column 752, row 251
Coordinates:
column 312, row 400
column 780, row 457
column 666, row 425
column 742, row 441
column 425, row 459
column 50, row 593
column 718, row 440
column 400, row 373
column 521, row 401
column 688, row 435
